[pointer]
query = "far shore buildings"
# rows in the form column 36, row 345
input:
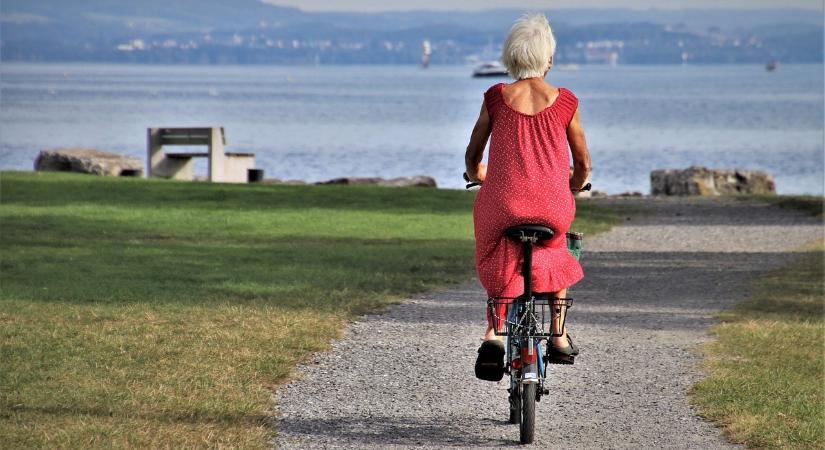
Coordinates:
column 658, row 44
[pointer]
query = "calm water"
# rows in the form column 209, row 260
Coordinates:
column 315, row 123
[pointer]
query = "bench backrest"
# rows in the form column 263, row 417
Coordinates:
column 187, row 136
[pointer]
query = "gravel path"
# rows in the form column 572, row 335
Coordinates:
column 405, row 378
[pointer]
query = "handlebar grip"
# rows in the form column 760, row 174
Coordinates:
column 470, row 184
column 473, row 184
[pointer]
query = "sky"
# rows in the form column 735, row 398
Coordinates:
column 472, row 5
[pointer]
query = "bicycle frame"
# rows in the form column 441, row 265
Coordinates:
column 524, row 358
column 525, row 330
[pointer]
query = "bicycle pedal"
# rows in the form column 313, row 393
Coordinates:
column 559, row 359
column 561, row 362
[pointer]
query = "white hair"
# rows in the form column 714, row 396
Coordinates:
column 529, row 47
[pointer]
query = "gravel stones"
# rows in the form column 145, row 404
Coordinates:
column 404, row 378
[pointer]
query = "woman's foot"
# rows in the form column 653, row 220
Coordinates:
column 490, row 361
column 564, row 341
column 561, row 350
column 560, row 342
column 560, row 354
column 491, row 334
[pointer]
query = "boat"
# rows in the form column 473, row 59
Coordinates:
column 772, row 65
column 426, row 51
column 490, row 69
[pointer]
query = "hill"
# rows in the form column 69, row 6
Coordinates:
column 249, row 31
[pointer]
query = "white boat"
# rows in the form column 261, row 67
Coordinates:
column 490, row 69
column 426, row 51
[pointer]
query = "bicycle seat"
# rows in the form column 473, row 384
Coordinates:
column 541, row 232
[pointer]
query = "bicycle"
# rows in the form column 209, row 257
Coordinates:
column 527, row 321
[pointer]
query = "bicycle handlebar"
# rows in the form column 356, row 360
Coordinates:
column 472, row 184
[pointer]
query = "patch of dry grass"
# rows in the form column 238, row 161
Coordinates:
column 143, row 376
column 766, row 371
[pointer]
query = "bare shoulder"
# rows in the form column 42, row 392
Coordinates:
column 567, row 92
column 549, row 92
column 509, row 89
column 529, row 89
column 552, row 89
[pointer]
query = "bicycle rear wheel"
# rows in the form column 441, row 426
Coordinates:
column 528, row 413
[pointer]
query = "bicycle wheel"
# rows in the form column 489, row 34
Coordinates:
column 528, row 413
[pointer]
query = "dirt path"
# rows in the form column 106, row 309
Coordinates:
column 405, row 378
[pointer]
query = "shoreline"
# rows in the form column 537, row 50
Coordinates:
column 596, row 193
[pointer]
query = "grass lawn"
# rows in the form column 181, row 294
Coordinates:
column 158, row 314
column 766, row 370
column 810, row 204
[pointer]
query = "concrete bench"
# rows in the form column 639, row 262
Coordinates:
column 223, row 167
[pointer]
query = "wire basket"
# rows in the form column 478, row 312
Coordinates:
column 503, row 315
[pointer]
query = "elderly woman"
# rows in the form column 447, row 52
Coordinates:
column 534, row 127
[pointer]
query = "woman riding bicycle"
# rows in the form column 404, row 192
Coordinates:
column 534, row 128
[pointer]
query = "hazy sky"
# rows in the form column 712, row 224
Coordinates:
column 398, row 5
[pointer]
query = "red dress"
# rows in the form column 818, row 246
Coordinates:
column 527, row 182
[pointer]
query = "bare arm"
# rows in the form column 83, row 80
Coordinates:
column 581, row 156
column 478, row 141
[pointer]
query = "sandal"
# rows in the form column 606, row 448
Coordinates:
column 566, row 355
column 573, row 346
column 490, row 361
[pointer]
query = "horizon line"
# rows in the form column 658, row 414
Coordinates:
column 707, row 8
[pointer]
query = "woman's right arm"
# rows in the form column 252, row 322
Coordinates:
column 581, row 156
column 478, row 141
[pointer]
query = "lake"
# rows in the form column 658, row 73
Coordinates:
column 319, row 122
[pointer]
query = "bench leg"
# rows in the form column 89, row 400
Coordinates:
column 176, row 169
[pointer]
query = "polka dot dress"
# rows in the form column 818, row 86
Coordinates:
column 527, row 182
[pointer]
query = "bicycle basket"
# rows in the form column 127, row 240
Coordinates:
column 503, row 314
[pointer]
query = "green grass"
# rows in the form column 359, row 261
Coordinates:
column 766, row 371
column 158, row 314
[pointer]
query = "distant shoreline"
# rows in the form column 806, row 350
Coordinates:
column 433, row 66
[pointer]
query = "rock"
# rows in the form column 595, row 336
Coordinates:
column 416, row 181
column 351, row 180
column 88, row 160
column 286, row 182
column 703, row 181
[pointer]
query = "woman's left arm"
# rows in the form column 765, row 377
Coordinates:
column 478, row 141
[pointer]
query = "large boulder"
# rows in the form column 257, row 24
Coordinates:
column 703, row 181
column 88, row 160
column 416, row 181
